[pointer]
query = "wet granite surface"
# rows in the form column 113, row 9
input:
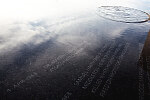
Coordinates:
column 81, row 57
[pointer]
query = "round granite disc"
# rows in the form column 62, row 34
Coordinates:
column 123, row 14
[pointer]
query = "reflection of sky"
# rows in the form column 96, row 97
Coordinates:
column 41, row 8
column 37, row 36
column 35, row 21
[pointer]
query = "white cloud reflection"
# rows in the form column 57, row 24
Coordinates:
column 41, row 8
column 21, row 21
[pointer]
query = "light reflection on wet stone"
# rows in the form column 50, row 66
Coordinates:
column 77, row 58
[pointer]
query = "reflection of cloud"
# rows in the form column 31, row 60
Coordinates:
column 75, row 28
column 41, row 8
column 90, row 30
column 13, row 35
